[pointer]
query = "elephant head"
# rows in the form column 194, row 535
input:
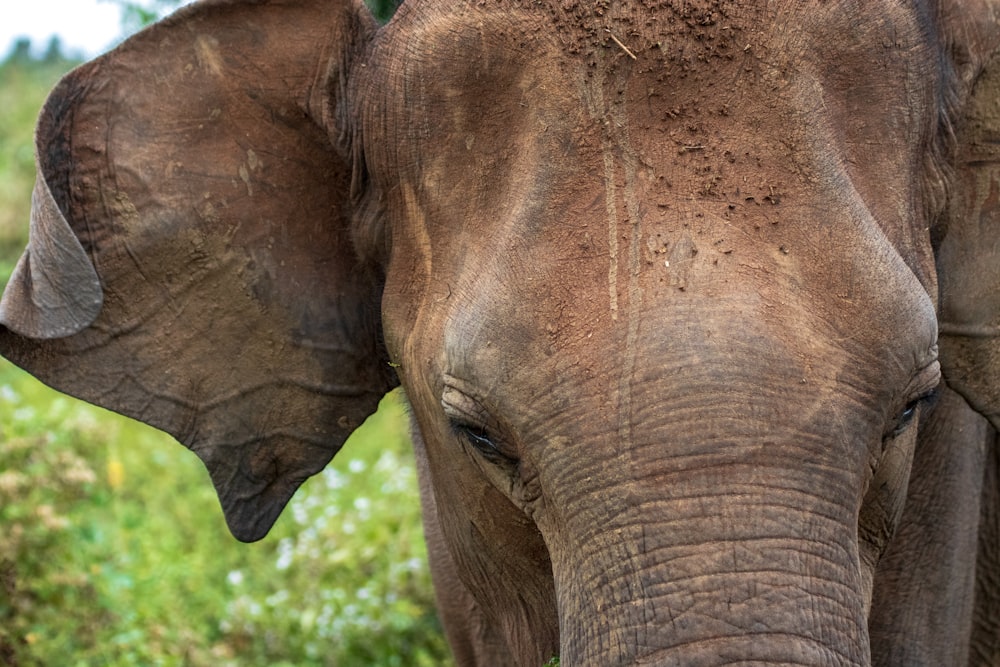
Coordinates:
column 660, row 282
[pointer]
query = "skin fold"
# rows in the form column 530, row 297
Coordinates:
column 694, row 303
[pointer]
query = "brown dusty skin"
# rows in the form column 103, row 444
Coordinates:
column 670, row 287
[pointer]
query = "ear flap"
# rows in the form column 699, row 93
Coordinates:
column 190, row 261
column 968, row 256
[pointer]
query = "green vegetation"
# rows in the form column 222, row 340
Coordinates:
column 138, row 13
column 24, row 83
column 113, row 549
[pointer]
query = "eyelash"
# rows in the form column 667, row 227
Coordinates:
column 480, row 440
column 910, row 411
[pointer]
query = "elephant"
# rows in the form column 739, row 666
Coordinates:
column 695, row 304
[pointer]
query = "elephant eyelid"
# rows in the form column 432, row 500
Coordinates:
column 481, row 441
column 463, row 411
column 905, row 418
column 469, row 422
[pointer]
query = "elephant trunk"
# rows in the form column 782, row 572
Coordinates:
column 713, row 563
column 710, row 512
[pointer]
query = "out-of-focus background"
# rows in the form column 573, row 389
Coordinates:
column 113, row 549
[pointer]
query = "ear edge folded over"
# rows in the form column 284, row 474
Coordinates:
column 40, row 303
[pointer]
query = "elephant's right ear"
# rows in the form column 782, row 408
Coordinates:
column 968, row 255
column 190, row 260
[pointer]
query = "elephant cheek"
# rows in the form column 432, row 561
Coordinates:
column 882, row 506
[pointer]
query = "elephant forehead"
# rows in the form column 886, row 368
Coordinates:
column 580, row 181
column 490, row 104
column 447, row 60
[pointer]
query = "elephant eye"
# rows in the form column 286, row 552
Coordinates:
column 905, row 417
column 471, row 423
column 481, row 441
column 910, row 411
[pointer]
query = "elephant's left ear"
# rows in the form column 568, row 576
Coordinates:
column 968, row 256
column 190, row 260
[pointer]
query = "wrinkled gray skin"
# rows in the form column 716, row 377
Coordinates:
column 696, row 303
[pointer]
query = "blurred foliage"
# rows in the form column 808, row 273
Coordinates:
column 113, row 549
column 139, row 13
column 24, row 83
column 383, row 9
